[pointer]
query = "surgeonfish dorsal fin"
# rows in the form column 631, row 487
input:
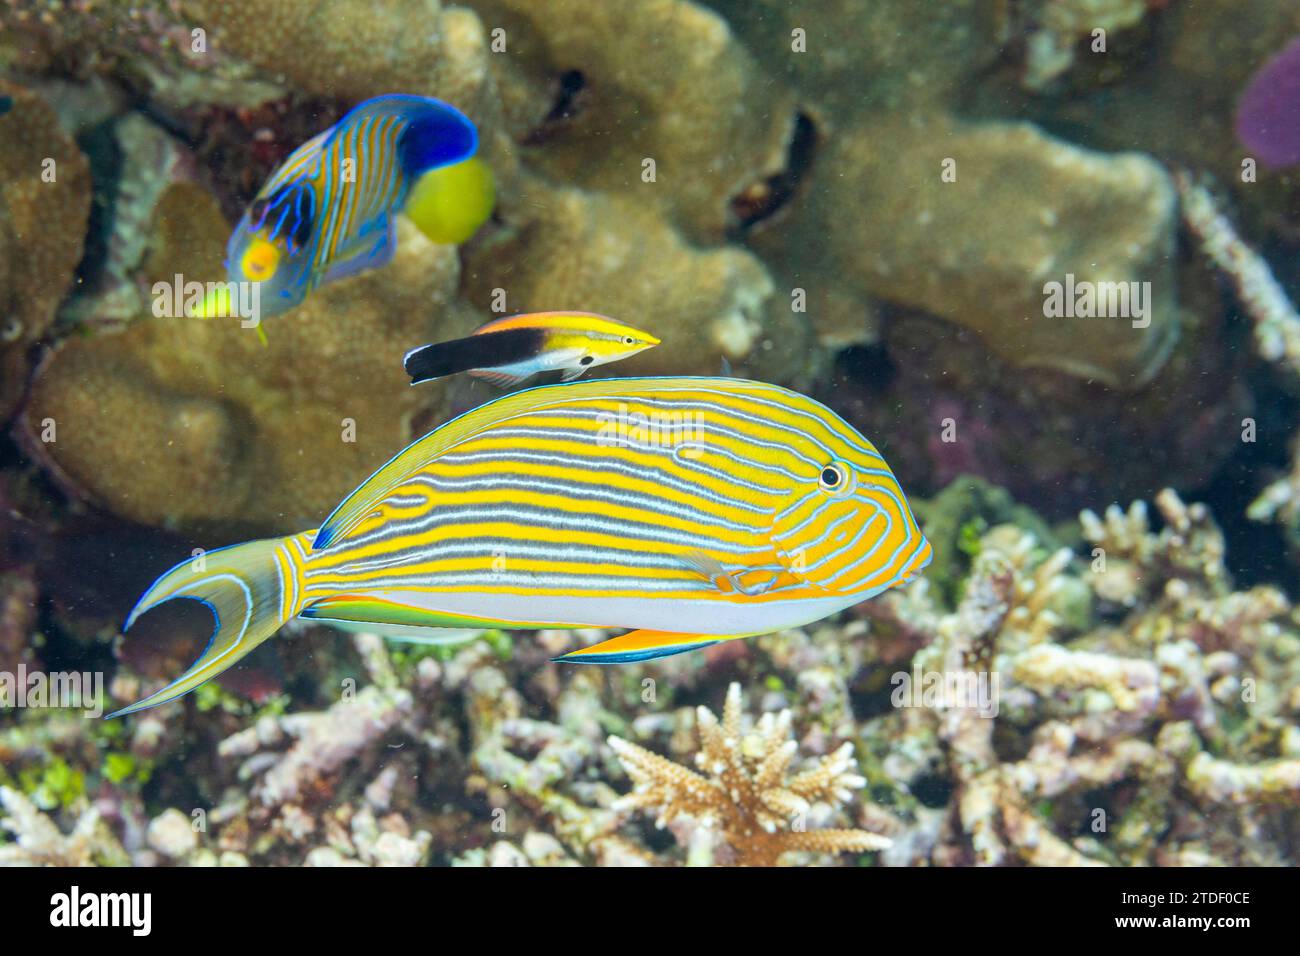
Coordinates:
column 356, row 506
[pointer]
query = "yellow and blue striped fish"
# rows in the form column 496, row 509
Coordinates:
column 328, row 210
column 694, row 510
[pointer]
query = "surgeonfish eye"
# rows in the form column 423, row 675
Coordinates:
column 629, row 341
column 835, row 479
column 260, row 260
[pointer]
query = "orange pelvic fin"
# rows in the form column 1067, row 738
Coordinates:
column 636, row 646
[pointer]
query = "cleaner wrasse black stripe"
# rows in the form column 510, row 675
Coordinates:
column 483, row 350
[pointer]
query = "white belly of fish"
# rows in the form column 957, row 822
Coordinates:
column 678, row 616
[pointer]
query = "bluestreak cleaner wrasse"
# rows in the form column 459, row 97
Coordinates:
column 511, row 350
column 328, row 210
column 694, row 510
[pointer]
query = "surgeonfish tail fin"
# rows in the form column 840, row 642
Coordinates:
column 438, row 135
column 252, row 589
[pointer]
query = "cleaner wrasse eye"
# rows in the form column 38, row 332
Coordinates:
column 692, row 510
column 328, row 211
column 511, row 350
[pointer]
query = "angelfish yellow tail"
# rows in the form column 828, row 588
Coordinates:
column 252, row 589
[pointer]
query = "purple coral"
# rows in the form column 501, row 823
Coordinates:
column 1268, row 113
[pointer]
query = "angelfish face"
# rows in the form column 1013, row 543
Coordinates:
column 272, row 246
column 253, row 258
column 851, row 531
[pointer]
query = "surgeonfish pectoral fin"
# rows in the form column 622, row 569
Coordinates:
column 712, row 570
column 637, row 646
column 244, row 587
column 571, row 373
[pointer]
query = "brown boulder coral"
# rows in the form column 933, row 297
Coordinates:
column 609, row 254
column 1022, row 211
column 993, row 212
column 342, row 50
column 759, row 810
column 694, row 101
column 189, row 424
column 44, row 205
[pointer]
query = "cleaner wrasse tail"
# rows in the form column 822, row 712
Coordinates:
column 252, row 589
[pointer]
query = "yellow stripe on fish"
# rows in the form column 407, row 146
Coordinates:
column 689, row 509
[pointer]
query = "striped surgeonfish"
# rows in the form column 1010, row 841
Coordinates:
column 513, row 349
column 328, row 210
column 693, row 510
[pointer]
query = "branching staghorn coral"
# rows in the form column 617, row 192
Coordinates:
column 1131, row 730
column 38, row 841
column 1133, row 562
column 1277, row 324
column 745, row 790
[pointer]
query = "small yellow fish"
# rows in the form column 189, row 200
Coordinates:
column 508, row 351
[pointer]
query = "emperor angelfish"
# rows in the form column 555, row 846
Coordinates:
column 513, row 349
column 694, row 510
column 328, row 211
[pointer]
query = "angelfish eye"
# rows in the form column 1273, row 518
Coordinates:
column 834, row 478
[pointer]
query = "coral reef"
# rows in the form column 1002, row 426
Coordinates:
column 268, row 437
column 1055, row 31
column 1264, row 110
column 569, row 249
column 1119, row 706
column 1277, row 324
column 984, row 265
column 871, row 202
column 760, row 812
column 712, row 126
column 44, row 205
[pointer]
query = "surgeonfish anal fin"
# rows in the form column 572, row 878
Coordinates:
column 636, row 646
